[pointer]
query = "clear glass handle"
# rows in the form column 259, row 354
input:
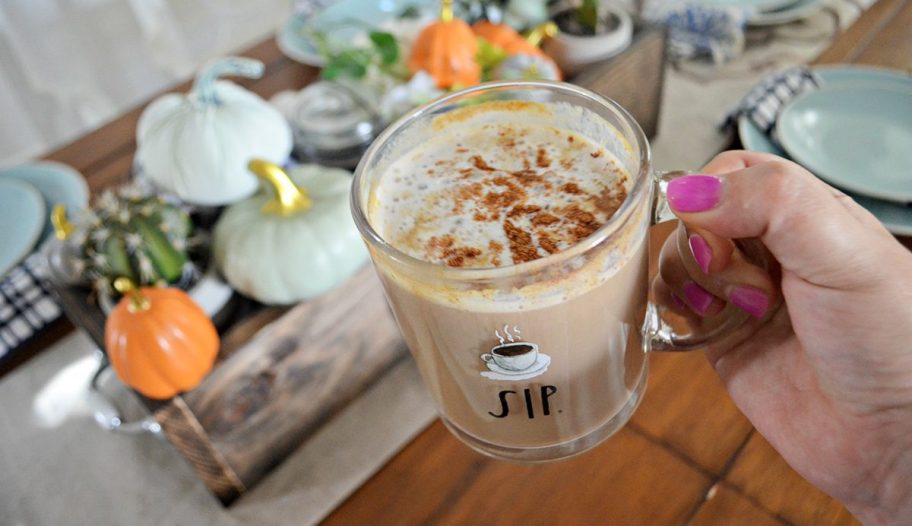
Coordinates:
column 668, row 331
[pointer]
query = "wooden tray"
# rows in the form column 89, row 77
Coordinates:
column 280, row 374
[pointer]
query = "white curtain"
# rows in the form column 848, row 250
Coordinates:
column 68, row 66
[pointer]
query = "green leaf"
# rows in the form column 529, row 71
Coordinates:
column 348, row 64
column 385, row 44
column 588, row 15
column 488, row 55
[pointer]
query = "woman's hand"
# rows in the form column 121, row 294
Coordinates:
column 826, row 375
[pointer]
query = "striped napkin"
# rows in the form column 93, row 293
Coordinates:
column 765, row 101
column 27, row 304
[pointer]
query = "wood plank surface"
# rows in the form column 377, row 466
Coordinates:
column 628, row 480
column 724, row 505
column 866, row 34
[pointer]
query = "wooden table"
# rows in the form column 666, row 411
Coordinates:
column 688, row 456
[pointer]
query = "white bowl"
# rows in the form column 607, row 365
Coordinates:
column 573, row 53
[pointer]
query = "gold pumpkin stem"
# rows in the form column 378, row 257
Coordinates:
column 446, row 11
column 62, row 226
column 540, row 33
column 138, row 302
column 289, row 198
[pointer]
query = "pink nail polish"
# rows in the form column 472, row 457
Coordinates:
column 750, row 300
column 701, row 251
column 694, row 193
column 698, row 298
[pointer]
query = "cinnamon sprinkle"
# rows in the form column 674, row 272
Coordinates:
column 571, row 188
column 544, row 219
column 541, row 159
column 522, row 248
column 481, row 164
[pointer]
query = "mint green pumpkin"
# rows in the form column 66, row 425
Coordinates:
column 294, row 239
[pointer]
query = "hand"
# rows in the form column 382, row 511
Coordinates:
column 826, row 375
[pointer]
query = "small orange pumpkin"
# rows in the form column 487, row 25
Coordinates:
column 446, row 50
column 159, row 341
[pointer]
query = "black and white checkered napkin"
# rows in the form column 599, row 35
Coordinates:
column 765, row 101
column 26, row 303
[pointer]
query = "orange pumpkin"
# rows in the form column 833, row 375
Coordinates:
column 159, row 341
column 446, row 50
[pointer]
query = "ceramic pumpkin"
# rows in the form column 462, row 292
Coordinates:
column 197, row 145
column 159, row 341
column 446, row 50
column 293, row 240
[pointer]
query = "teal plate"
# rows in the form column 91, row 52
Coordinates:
column 342, row 22
column 797, row 11
column 57, row 183
column 855, row 137
column 897, row 218
column 758, row 5
column 22, row 214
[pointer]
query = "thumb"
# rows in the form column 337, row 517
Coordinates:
column 795, row 215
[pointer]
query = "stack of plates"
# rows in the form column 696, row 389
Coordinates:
column 27, row 194
column 772, row 12
column 855, row 133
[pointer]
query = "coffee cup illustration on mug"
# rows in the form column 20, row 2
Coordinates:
column 513, row 356
column 514, row 359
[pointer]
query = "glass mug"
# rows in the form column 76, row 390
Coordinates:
column 544, row 359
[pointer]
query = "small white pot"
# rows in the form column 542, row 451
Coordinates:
column 573, row 53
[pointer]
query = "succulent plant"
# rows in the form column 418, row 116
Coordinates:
column 141, row 238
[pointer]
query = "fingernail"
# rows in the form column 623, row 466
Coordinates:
column 752, row 301
column 694, row 193
column 702, row 252
column 699, row 298
column 679, row 303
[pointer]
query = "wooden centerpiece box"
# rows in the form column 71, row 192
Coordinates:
column 281, row 373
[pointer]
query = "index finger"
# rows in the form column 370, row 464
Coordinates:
column 733, row 160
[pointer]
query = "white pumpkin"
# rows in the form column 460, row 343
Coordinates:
column 293, row 240
column 197, row 145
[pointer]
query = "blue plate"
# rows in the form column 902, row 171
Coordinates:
column 342, row 22
column 855, row 137
column 57, row 183
column 22, row 215
column 758, row 5
column 896, row 217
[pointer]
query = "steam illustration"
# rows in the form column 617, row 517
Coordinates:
column 506, row 329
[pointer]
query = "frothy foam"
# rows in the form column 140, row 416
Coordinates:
column 495, row 194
